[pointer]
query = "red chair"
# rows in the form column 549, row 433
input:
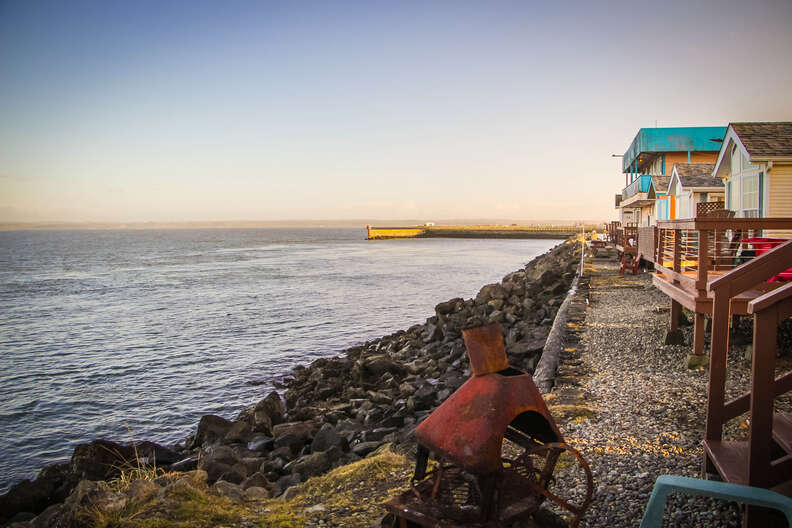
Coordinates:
column 762, row 245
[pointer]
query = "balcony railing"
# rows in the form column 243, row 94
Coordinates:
column 639, row 185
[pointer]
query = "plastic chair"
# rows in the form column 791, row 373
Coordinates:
column 665, row 484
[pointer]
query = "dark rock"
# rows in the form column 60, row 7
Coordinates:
column 293, row 435
column 376, row 365
column 151, row 453
column 549, row 277
column 327, row 438
column 364, row 448
column 214, row 470
column 448, row 307
column 53, row 484
column 229, row 490
column 432, row 333
column 100, row 460
column 256, row 479
column 239, row 432
column 489, row 292
column 260, row 442
column 310, row 465
column 22, row 517
column 273, row 407
column 252, row 464
column 527, row 346
column 286, row 482
column 221, row 453
column 377, row 434
column 211, row 428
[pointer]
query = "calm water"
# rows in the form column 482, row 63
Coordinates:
column 106, row 332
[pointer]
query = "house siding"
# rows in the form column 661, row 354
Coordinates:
column 780, row 196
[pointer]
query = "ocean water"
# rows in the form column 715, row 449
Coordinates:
column 126, row 334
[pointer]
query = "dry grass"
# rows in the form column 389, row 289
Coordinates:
column 350, row 495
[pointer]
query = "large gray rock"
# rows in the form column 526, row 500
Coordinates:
column 239, row 432
column 100, row 460
column 489, row 292
column 229, row 490
column 211, row 429
column 327, row 438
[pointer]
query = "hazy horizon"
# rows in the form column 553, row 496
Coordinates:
column 119, row 112
column 253, row 224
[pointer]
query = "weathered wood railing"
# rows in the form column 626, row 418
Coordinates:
column 752, row 462
column 688, row 250
column 627, row 237
column 612, row 229
column 692, row 252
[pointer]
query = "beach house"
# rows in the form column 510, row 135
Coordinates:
column 755, row 164
column 654, row 152
column 692, row 184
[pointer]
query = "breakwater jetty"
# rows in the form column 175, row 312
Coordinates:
column 474, row 231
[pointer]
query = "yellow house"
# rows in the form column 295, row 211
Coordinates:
column 755, row 163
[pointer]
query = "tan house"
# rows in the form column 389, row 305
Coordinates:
column 755, row 164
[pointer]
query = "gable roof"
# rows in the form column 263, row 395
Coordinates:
column 660, row 183
column 697, row 175
column 765, row 140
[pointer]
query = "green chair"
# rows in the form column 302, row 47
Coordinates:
column 665, row 484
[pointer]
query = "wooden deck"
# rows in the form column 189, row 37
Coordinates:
column 691, row 254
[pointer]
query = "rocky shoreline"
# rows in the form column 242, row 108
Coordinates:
column 331, row 413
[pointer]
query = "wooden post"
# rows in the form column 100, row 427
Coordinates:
column 659, row 247
column 762, row 396
column 676, row 311
column 699, row 325
column 677, row 250
column 719, row 347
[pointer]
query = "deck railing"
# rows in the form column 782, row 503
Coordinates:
column 627, row 237
column 696, row 249
column 754, row 462
column 638, row 185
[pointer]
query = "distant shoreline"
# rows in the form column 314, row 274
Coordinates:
column 247, row 224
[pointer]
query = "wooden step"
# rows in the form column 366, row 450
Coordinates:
column 782, row 431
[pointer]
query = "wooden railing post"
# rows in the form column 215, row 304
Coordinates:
column 762, row 396
column 659, row 247
column 677, row 250
column 719, row 347
column 699, row 324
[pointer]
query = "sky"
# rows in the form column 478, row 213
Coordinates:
column 214, row 111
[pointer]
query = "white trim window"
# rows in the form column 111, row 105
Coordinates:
column 750, row 196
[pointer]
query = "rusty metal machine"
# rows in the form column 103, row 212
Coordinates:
column 474, row 482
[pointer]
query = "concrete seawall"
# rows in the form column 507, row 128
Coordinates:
column 472, row 231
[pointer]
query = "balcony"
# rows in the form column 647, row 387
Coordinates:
column 639, row 185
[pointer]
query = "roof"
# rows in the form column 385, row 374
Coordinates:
column 697, row 175
column 673, row 139
column 660, row 182
column 765, row 140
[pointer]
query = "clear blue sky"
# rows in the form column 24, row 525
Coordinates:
column 174, row 111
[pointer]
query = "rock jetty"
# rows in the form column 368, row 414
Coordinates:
column 333, row 412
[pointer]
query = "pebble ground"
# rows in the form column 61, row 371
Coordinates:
column 630, row 405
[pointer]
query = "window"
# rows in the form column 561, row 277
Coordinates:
column 750, row 196
column 746, row 165
column 735, row 160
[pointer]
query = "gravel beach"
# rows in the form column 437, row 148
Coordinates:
column 630, row 405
